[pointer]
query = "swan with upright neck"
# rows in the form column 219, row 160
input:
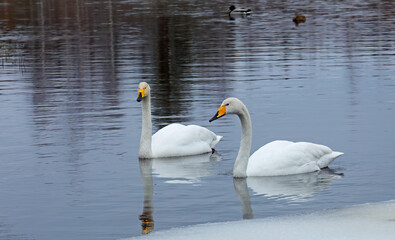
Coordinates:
column 174, row 140
column 275, row 158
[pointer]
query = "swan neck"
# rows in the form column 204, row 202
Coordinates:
column 240, row 167
column 146, row 129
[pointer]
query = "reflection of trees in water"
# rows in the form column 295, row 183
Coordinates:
column 74, row 45
column 170, row 58
column 77, row 49
column 169, row 91
column 176, row 60
column 74, row 49
column 69, row 57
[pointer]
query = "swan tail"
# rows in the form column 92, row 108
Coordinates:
column 215, row 141
column 328, row 158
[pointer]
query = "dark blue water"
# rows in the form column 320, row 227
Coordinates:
column 70, row 125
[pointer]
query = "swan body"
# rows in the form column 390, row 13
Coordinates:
column 286, row 157
column 181, row 140
column 232, row 9
column 275, row 158
column 173, row 140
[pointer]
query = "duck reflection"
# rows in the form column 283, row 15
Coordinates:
column 292, row 188
column 232, row 17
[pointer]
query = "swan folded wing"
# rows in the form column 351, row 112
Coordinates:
column 325, row 160
column 285, row 158
column 180, row 140
column 317, row 153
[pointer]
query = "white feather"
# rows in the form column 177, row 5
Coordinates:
column 180, row 140
column 285, row 158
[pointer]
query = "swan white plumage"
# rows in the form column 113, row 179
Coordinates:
column 173, row 140
column 275, row 158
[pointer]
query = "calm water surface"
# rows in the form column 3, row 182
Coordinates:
column 70, row 123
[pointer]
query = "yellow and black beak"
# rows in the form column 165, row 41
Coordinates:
column 221, row 112
column 141, row 94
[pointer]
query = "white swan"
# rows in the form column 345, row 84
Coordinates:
column 173, row 140
column 275, row 158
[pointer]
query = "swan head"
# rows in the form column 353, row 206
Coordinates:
column 229, row 106
column 144, row 91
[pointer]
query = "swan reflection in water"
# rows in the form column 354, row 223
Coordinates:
column 187, row 169
column 146, row 218
column 291, row 188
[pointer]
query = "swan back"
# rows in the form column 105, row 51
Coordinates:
column 180, row 140
column 285, row 157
